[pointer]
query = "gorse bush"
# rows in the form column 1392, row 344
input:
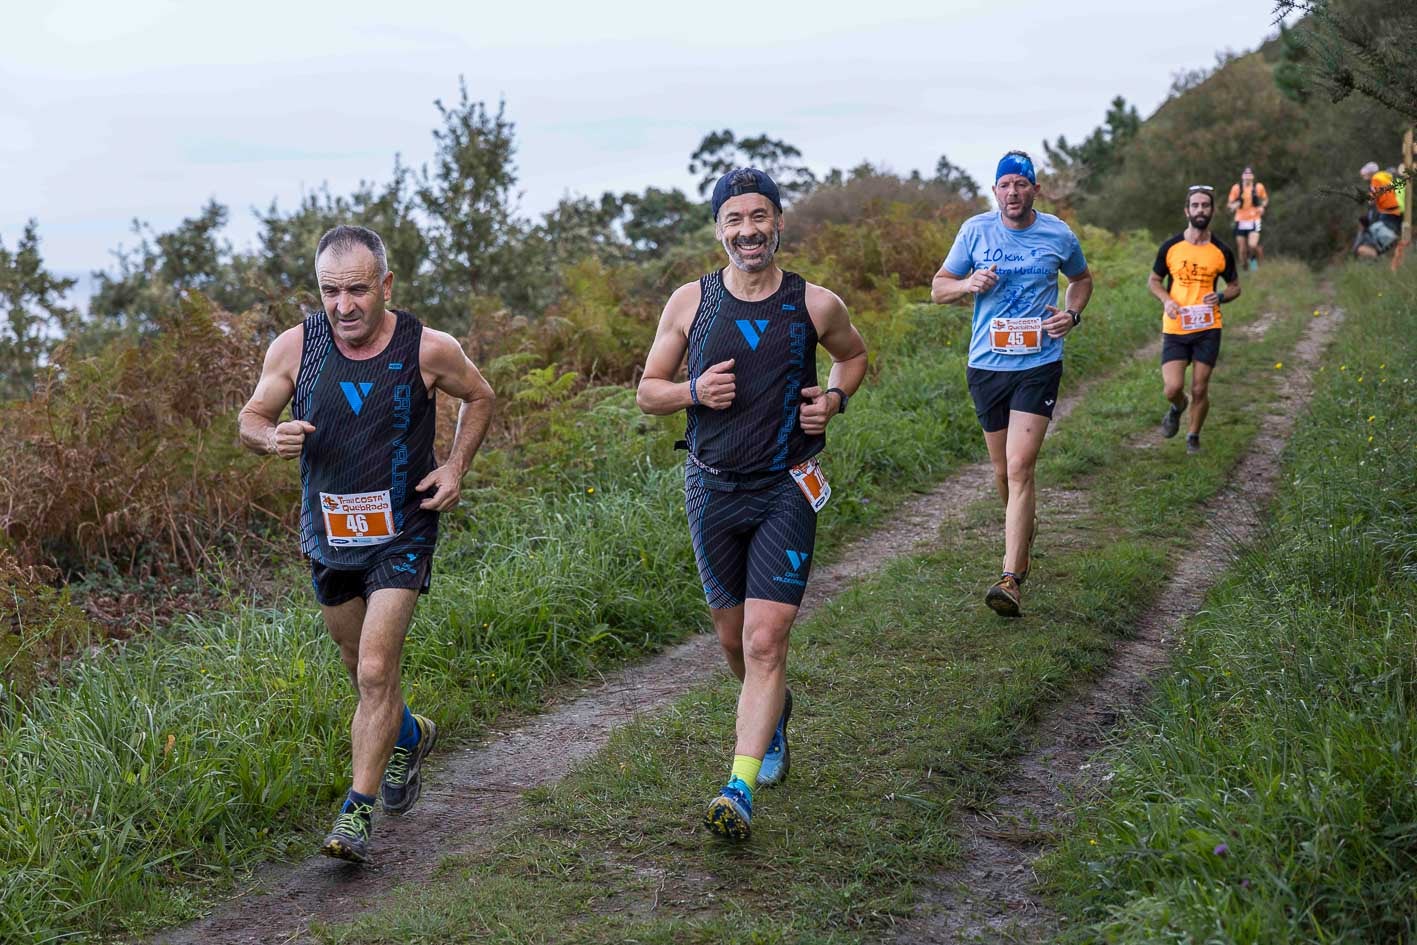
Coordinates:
column 128, row 461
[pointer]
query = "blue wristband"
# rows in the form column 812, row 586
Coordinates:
column 694, row 391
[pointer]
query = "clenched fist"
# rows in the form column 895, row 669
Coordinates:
column 289, row 438
column 982, row 280
column 715, row 387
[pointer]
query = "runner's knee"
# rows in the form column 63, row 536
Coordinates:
column 765, row 648
column 1020, row 470
column 377, row 675
column 1172, row 391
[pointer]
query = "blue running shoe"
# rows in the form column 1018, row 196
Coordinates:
column 730, row 813
column 779, row 758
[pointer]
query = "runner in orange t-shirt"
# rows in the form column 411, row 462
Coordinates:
column 1381, row 224
column 1185, row 279
column 1248, row 200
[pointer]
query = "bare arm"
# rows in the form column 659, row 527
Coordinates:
column 848, row 353
column 947, row 287
column 658, row 392
column 259, row 430
column 446, row 368
column 1156, row 287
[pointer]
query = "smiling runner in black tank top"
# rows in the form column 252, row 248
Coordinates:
column 756, row 420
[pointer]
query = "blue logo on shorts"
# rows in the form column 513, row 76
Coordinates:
column 798, row 558
column 752, row 330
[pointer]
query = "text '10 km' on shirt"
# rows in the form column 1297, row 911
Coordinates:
column 1190, row 273
column 1028, row 262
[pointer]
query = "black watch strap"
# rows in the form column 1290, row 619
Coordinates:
column 840, row 393
column 1077, row 316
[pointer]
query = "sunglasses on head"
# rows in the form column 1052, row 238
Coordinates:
column 1203, row 187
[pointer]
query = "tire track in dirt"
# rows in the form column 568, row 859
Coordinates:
column 992, row 894
column 469, row 791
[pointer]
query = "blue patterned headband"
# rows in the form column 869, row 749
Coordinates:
column 1015, row 164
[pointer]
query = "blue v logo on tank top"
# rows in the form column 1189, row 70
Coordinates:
column 753, row 330
column 355, row 394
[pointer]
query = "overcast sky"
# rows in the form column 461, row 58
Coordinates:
column 146, row 108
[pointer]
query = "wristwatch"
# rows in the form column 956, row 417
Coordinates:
column 840, row 393
column 1077, row 316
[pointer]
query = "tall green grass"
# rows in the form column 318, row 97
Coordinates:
column 178, row 760
column 1268, row 794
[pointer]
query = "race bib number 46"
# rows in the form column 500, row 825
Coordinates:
column 813, row 484
column 1016, row 335
column 1197, row 317
column 358, row 518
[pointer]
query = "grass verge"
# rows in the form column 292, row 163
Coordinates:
column 1267, row 793
column 911, row 699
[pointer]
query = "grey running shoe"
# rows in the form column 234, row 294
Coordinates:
column 349, row 840
column 1172, row 421
column 1193, row 443
column 402, row 778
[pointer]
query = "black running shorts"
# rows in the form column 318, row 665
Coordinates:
column 405, row 570
column 750, row 542
column 995, row 393
column 1203, row 347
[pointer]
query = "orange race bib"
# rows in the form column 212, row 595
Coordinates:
column 365, row 518
column 1016, row 335
column 813, row 484
column 1197, row 317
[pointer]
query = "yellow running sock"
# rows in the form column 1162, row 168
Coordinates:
column 747, row 767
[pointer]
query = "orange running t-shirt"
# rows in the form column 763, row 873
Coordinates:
column 1251, row 199
column 1192, row 272
column 1384, row 193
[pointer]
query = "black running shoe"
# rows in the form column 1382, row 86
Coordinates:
column 402, row 778
column 1172, row 421
column 1193, row 442
column 349, row 840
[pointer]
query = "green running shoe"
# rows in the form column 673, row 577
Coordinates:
column 729, row 815
column 402, row 778
column 349, row 840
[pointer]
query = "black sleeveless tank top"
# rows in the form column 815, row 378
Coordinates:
column 374, row 423
column 774, row 346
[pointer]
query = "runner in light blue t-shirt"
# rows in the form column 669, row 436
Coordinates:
column 1009, row 261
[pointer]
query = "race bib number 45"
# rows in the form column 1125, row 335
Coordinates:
column 812, row 482
column 1197, row 317
column 1016, row 335
column 365, row 518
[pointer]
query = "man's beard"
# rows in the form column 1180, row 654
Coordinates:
column 1200, row 222
column 762, row 262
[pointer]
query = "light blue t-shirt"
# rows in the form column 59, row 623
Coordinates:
column 1028, row 261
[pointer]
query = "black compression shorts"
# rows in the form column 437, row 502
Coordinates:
column 1203, row 347
column 404, row 570
column 995, row 393
column 750, row 542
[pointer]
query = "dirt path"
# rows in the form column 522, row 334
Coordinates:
column 992, row 895
column 469, row 791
